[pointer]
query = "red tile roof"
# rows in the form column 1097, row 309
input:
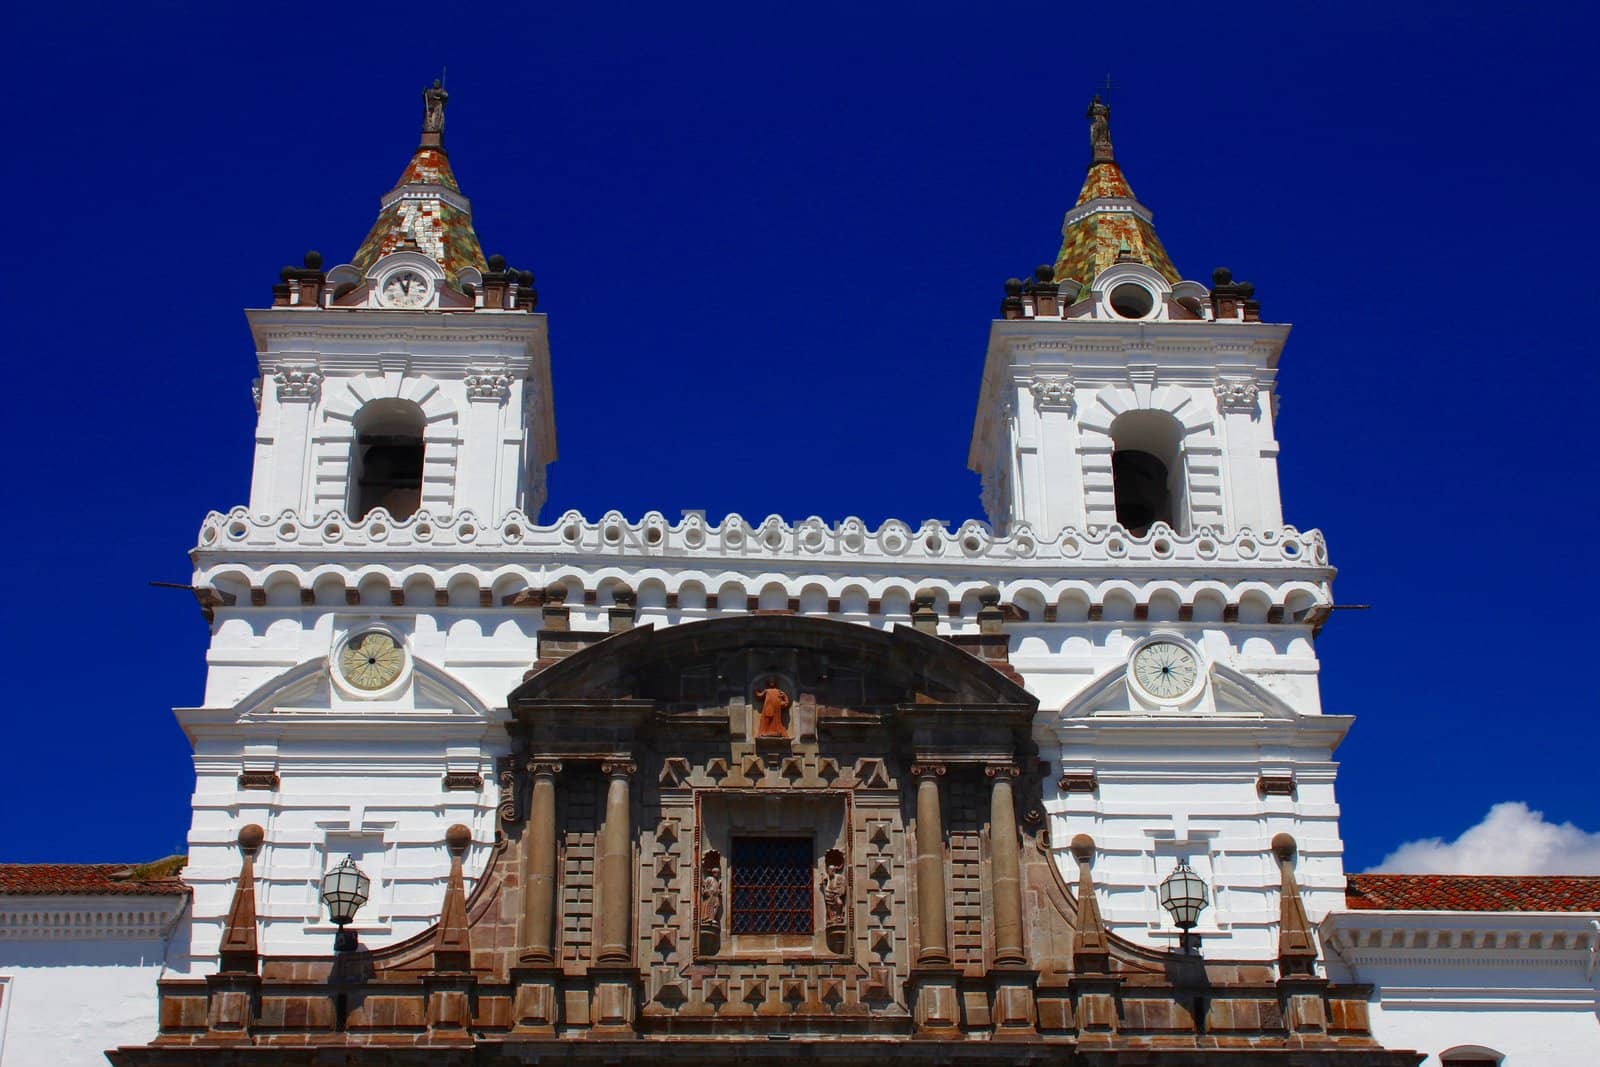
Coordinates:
column 157, row 879
column 1471, row 892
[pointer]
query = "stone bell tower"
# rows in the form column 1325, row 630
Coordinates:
column 414, row 378
column 1126, row 420
column 1115, row 391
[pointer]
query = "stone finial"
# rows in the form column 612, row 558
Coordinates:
column 923, row 614
column 239, row 953
column 991, row 616
column 555, row 613
column 1297, row 949
column 1090, row 952
column 452, row 947
column 624, row 609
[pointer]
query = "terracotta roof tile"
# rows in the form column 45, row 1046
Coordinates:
column 1471, row 892
column 90, row 879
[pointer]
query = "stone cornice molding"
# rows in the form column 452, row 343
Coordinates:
column 1101, row 205
column 89, row 918
column 238, row 535
column 425, row 192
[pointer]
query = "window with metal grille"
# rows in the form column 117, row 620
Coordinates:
column 772, row 884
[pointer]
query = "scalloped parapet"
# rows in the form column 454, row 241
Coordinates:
column 573, row 536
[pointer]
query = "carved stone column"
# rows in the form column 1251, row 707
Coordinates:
column 934, row 948
column 537, row 936
column 1006, row 867
column 616, row 862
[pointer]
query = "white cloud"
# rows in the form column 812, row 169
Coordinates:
column 1511, row 839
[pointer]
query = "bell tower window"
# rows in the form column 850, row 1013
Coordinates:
column 1147, row 471
column 386, row 459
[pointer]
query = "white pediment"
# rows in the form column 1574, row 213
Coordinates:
column 1227, row 694
column 306, row 692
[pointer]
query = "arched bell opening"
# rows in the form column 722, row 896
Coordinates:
column 1147, row 471
column 386, row 459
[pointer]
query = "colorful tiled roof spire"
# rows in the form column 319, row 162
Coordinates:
column 425, row 210
column 1107, row 224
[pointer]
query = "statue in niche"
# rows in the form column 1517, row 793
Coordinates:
column 711, row 890
column 835, row 890
column 774, row 702
column 433, row 101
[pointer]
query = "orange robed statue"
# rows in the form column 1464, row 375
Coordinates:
column 774, row 702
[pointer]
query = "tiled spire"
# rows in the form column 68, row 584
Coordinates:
column 1107, row 224
column 425, row 210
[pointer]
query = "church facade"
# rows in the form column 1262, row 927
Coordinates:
column 758, row 789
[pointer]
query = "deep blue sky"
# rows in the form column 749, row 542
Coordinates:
column 809, row 211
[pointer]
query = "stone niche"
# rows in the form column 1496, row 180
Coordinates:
column 765, row 860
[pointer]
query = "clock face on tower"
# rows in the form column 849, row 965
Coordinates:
column 371, row 660
column 406, row 289
column 1166, row 671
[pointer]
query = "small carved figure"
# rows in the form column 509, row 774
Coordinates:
column 433, row 101
column 774, row 702
column 835, row 889
column 1099, row 128
column 711, row 891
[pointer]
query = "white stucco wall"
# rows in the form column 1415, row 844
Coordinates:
column 1523, row 985
column 80, row 975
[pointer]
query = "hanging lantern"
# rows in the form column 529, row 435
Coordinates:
column 344, row 890
column 1183, row 894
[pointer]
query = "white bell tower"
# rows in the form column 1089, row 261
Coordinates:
column 1116, row 392
column 415, row 378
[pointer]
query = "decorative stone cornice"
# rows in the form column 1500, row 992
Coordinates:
column 298, row 383
column 1236, row 394
column 488, row 385
column 238, row 534
column 1052, row 392
column 90, row 918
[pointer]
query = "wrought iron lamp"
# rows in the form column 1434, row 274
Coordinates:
column 344, row 890
column 1183, row 894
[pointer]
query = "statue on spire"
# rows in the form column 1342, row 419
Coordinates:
column 433, row 101
column 1100, row 130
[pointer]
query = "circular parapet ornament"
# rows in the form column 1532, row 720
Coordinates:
column 1165, row 670
column 371, row 661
